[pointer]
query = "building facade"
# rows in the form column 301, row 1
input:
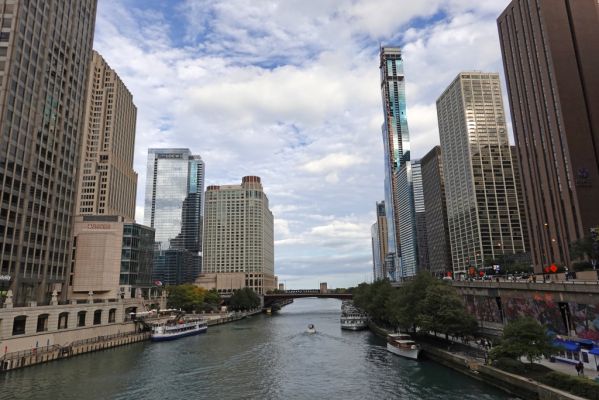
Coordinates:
column 483, row 207
column 112, row 258
column 420, row 217
column 437, row 231
column 396, row 142
column 174, row 208
column 238, row 233
column 107, row 182
column 407, row 218
column 45, row 53
column 551, row 58
column 379, row 236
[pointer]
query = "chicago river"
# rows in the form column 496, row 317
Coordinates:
column 263, row 357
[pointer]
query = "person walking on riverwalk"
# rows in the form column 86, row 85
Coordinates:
column 580, row 368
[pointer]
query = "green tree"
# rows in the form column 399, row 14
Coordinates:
column 186, row 297
column 443, row 311
column 244, row 299
column 212, row 298
column 405, row 304
column 524, row 337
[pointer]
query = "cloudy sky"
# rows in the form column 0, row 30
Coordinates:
column 289, row 90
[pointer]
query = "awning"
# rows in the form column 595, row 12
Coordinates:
column 595, row 351
column 567, row 345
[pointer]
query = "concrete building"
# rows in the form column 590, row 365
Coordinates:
column 420, row 217
column 379, row 243
column 396, row 144
column 112, row 258
column 437, row 230
column 483, row 207
column 238, row 233
column 551, row 58
column 45, row 53
column 174, row 208
column 407, row 223
column 107, row 181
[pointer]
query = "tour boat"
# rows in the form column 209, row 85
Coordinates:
column 403, row 345
column 354, row 322
column 311, row 329
column 177, row 328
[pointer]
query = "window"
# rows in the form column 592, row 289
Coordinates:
column 97, row 317
column 4, row 36
column 112, row 315
column 63, row 320
column 18, row 326
column 81, row 318
column 42, row 323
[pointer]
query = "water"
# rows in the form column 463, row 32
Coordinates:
column 263, row 357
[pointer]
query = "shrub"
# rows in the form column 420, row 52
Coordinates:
column 577, row 385
column 510, row 365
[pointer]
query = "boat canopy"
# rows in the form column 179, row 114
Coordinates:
column 567, row 345
column 595, row 351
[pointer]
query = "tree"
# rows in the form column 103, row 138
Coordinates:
column 244, row 299
column 405, row 304
column 186, row 297
column 524, row 337
column 443, row 311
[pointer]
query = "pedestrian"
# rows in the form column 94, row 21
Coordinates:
column 580, row 368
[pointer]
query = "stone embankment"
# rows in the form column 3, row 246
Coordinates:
column 40, row 355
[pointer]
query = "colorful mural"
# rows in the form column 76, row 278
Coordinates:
column 542, row 306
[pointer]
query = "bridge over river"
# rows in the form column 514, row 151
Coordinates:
column 279, row 296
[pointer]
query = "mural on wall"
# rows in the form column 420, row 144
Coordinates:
column 485, row 308
column 585, row 320
column 540, row 307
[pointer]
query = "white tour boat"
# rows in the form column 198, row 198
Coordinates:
column 177, row 328
column 354, row 322
column 403, row 345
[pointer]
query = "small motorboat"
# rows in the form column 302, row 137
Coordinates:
column 311, row 329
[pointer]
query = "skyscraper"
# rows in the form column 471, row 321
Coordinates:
column 379, row 242
column 419, row 217
column 238, row 233
column 437, row 231
column 407, row 218
column 174, row 208
column 107, row 181
column 551, row 58
column 45, row 52
column 396, row 140
column 483, row 207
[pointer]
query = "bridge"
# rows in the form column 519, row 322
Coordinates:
column 272, row 298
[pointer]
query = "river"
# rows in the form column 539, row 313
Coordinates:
column 263, row 357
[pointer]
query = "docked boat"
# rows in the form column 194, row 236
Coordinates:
column 403, row 345
column 176, row 328
column 354, row 322
column 311, row 329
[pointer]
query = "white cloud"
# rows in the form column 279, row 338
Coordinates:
column 289, row 90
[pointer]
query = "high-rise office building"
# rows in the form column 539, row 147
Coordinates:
column 419, row 217
column 551, row 58
column 174, row 208
column 238, row 233
column 379, row 242
column 396, row 141
column 483, row 207
column 437, row 231
column 107, row 181
column 45, row 53
column 407, row 219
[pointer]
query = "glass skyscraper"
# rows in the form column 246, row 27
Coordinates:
column 396, row 142
column 174, row 208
